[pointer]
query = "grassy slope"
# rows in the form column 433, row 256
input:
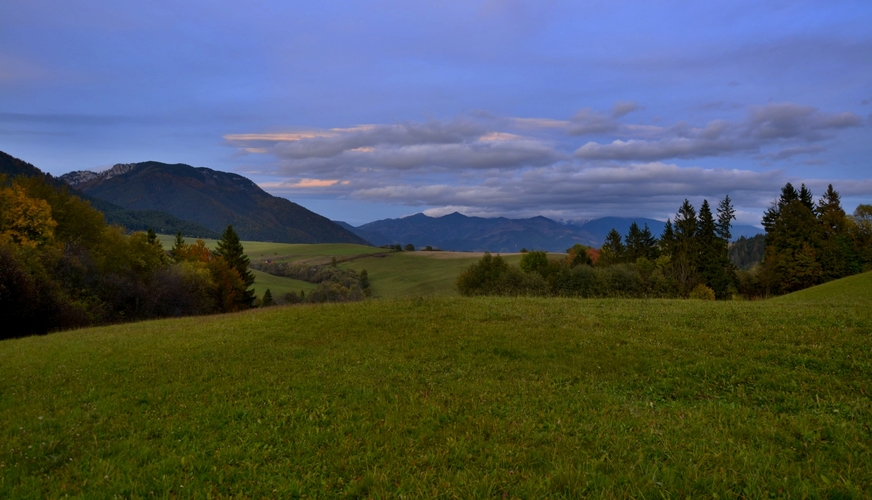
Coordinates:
column 279, row 286
column 834, row 291
column 527, row 398
column 416, row 274
column 393, row 275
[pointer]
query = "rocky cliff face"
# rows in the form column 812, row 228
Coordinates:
column 83, row 179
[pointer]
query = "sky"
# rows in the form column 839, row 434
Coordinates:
column 362, row 110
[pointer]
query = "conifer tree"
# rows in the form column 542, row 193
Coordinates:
column 267, row 299
column 726, row 214
column 613, row 250
column 635, row 243
column 837, row 257
column 685, row 248
column 793, row 243
column 649, row 243
column 667, row 239
column 715, row 267
column 230, row 248
column 178, row 247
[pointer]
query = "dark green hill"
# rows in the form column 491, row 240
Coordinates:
column 132, row 220
column 211, row 198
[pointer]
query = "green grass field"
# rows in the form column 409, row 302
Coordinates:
column 416, row 274
column 452, row 397
column 392, row 274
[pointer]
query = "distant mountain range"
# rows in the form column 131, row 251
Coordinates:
column 201, row 202
column 459, row 232
column 210, row 198
column 133, row 220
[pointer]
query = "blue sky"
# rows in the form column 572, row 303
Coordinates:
column 362, row 110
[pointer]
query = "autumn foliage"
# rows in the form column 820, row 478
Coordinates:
column 62, row 266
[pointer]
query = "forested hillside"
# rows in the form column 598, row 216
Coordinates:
column 63, row 266
column 132, row 220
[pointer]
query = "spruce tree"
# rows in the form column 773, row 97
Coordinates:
column 230, row 248
column 793, row 243
column 649, row 243
column 613, row 250
column 726, row 214
column 685, row 249
column 838, row 258
column 714, row 264
column 178, row 247
column 267, row 299
column 635, row 243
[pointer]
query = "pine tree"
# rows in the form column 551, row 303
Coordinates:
column 635, row 243
column 837, row 257
column 714, row 260
column 267, row 299
column 649, row 243
column 613, row 250
column 151, row 237
column 685, row 249
column 667, row 239
column 178, row 247
column 726, row 214
column 230, row 248
column 793, row 243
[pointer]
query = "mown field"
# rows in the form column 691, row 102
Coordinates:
column 392, row 274
column 452, row 397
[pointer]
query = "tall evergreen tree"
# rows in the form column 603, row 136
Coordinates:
column 793, row 243
column 714, row 262
column 649, row 243
column 667, row 239
column 635, row 243
column 613, row 250
column 231, row 250
column 685, row 249
column 806, row 197
column 837, row 257
column 178, row 247
column 726, row 214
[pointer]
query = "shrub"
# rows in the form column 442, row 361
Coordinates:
column 702, row 292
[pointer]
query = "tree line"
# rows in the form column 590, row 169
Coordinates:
column 335, row 284
column 62, row 266
column 805, row 244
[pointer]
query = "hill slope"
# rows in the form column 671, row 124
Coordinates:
column 467, row 398
column 133, row 220
column 844, row 289
column 211, row 198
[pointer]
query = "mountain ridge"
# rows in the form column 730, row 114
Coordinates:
column 456, row 231
column 132, row 220
column 211, row 198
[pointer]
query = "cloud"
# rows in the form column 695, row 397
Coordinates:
column 491, row 165
column 802, row 150
column 770, row 125
column 621, row 108
column 789, row 121
column 586, row 189
column 463, row 144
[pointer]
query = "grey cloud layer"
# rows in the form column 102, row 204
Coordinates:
column 523, row 165
column 773, row 125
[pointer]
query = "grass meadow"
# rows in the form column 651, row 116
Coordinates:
column 392, row 274
column 449, row 397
